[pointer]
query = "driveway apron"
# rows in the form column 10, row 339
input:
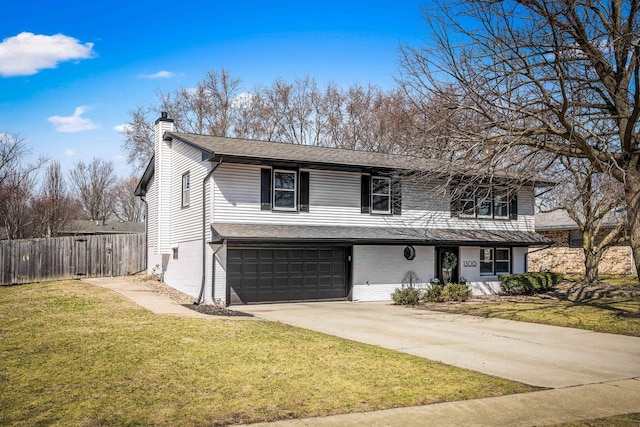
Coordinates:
column 540, row 355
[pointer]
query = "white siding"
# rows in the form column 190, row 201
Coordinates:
column 163, row 157
column 186, row 222
column 470, row 269
column 379, row 270
column 519, row 260
column 185, row 273
column 335, row 199
column 220, row 276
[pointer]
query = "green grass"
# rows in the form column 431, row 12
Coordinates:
column 611, row 315
column 74, row 354
column 625, row 280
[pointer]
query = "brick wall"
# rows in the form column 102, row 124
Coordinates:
column 563, row 259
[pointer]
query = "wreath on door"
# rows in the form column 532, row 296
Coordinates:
column 449, row 261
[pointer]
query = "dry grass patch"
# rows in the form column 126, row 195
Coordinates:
column 74, row 354
column 627, row 420
column 610, row 307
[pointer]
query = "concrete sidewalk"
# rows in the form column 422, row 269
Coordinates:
column 562, row 404
column 528, row 409
column 144, row 297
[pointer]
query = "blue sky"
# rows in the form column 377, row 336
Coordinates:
column 71, row 70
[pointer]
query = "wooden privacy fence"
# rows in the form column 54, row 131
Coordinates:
column 72, row 257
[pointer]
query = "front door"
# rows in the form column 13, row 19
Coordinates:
column 447, row 264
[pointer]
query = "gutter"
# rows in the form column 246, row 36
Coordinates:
column 204, row 232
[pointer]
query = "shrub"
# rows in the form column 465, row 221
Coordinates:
column 406, row 296
column 433, row 294
column 448, row 292
column 528, row 283
column 456, row 292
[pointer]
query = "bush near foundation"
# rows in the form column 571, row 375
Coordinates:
column 528, row 283
column 406, row 296
column 449, row 292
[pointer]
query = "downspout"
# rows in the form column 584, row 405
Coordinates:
column 146, row 233
column 204, row 232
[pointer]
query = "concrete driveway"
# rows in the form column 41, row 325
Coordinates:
column 545, row 356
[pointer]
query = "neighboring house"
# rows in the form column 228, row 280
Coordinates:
column 566, row 254
column 83, row 227
column 243, row 221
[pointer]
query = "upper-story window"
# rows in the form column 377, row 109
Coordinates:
column 484, row 202
column 284, row 190
column 380, row 194
column 185, row 190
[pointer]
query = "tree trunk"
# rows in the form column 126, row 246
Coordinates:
column 632, row 194
column 591, row 263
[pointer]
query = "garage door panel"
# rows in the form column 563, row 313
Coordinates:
column 281, row 268
column 286, row 274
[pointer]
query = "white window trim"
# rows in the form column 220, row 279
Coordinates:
column 507, row 261
column 484, row 195
column 388, row 195
column 186, row 190
column 493, row 265
column 294, row 190
column 494, row 261
column 505, row 192
column 479, row 196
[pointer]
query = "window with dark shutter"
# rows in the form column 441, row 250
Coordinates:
column 513, row 206
column 265, row 189
column 365, row 194
column 304, row 191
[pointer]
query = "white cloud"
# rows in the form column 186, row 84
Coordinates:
column 119, row 157
column 159, row 75
column 243, row 100
column 122, row 128
column 69, row 152
column 28, row 53
column 75, row 123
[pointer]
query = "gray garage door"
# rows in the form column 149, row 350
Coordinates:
column 286, row 274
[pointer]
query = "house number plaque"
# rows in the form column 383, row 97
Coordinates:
column 468, row 263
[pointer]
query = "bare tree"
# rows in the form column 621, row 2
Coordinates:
column 52, row 207
column 127, row 207
column 593, row 201
column 530, row 75
column 206, row 109
column 92, row 183
column 17, row 180
column 138, row 138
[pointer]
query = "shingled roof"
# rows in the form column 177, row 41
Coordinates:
column 371, row 235
column 312, row 156
column 249, row 149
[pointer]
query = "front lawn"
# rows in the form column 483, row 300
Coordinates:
column 610, row 315
column 613, row 306
column 75, row 354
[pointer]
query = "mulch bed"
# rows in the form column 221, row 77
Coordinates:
column 184, row 299
column 567, row 291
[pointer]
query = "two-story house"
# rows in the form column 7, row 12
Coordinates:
column 237, row 221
